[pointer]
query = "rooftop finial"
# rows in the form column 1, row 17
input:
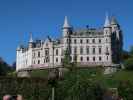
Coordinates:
column 31, row 39
column 107, row 21
column 66, row 24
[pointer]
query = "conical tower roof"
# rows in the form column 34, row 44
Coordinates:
column 114, row 21
column 107, row 21
column 66, row 24
column 31, row 39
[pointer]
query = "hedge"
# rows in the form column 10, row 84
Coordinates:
column 29, row 88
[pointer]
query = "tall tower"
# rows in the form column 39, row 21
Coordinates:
column 117, row 40
column 67, row 31
column 107, row 41
column 30, row 41
column 29, row 57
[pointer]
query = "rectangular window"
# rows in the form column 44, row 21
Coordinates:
column 99, row 40
column 34, row 54
column 56, row 51
column 47, row 59
column 61, row 60
column 93, row 51
column 75, row 41
column 75, row 58
column 93, row 40
column 100, row 58
column 81, row 41
column 75, row 50
column 87, row 40
column 81, row 50
column 46, row 52
column 87, row 50
column 93, row 58
column 56, row 59
column 38, row 61
column 87, row 58
column 100, row 50
column 38, row 54
column 81, row 58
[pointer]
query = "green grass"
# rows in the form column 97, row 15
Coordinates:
column 39, row 73
column 123, row 75
column 111, row 80
column 95, row 74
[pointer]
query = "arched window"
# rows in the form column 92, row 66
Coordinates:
column 81, row 58
column 93, row 58
column 100, row 58
column 87, row 58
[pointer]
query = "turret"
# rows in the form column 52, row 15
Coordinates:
column 117, row 39
column 31, row 41
column 107, row 26
column 114, row 24
column 115, row 28
column 107, row 39
column 67, row 29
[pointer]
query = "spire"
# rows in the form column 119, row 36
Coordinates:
column 66, row 24
column 114, row 21
column 107, row 21
column 31, row 40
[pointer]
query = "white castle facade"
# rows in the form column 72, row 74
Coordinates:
column 89, row 47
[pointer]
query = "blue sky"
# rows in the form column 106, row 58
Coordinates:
column 45, row 17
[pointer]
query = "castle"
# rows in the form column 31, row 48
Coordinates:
column 89, row 47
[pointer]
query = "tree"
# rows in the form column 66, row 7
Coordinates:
column 129, row 64
column 4, row 68
column 131, row 51
column 129, row 61
column 125, row 90
column 125, row 55
column 66, row 60
column 77, row 86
